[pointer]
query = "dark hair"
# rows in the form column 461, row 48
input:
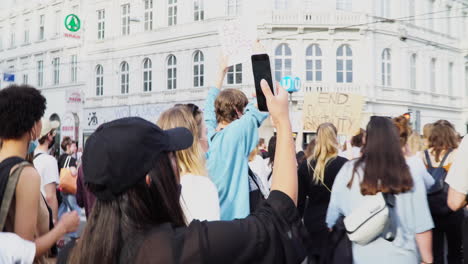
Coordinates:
column 357, row 140
column 67, row 141
column 227, row 104
column 44, row 138
column 404, row 130
column 21, row 106
column 272, row 150
column 443, row 137
column 310, row 148
column 385, row 168
column 261, row 141
column 113, row 223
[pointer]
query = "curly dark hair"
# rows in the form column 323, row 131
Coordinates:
column 21, row 106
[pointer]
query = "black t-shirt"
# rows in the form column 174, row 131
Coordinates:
column 272, row 234
column 319, row 195
column 63, row 158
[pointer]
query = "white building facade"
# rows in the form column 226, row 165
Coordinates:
column 139, row 57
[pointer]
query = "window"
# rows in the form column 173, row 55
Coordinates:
column 281, row 4
column 1, row 38
column 385, row 8
column 233, row 7
column 74, row 68
column 413, row 62
column 433, row 73
column 41, row 27
column 345, row 5
column 99, row 80
column 344, row 64
column 101, row 14
column 386, row 68
column 148, row 15
column 125, row 19
column 411, row 10
column 25, row 78
column 449, row 21
column 171, row 72
column 283, row 61
column 56, row 66
column 430, row 15
column 463, row 27
column 172, row 12
column 26, row 31
column 309, row 4
column 450, row 79
column 198, row 10
column 198, row 69
column 314, row 63
column 124, row 77
column 147, row 75
column 466, row 80
column 12, row 36
column 234, row 74
column 58, row 24
column 40, row 73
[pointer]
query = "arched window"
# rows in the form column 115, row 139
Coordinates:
column 171, row 72
column 344, row 64
column 283, row 61
column 386, row 68
column 314, row 63
column 99, row 80
column 147, row 75
column 198, row 69
column 124, row 77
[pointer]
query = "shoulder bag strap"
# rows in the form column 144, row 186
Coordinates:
column 445, row 158
column 390, row 231
column 10, row 192
column 428, row 159
column 67, row 162
column 37, row 155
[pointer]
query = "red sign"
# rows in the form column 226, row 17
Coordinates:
column 68, row 35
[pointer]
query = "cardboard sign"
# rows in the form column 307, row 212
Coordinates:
column 237, row 40
column 342, row 110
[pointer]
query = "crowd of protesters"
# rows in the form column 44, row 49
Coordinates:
column 202, row 187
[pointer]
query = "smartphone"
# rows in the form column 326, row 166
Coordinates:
column 261, row 70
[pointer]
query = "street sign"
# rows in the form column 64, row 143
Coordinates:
column 8, row 77
column 72, row 23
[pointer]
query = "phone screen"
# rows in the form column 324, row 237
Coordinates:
column 261, row 70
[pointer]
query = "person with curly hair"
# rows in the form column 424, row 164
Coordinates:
column 21, row 110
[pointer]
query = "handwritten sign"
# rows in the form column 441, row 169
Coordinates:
column 343, row 110
column 237, row 40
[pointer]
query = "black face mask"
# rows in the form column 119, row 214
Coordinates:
column 51, row 144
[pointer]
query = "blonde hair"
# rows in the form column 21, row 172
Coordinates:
column 326, row 150
column 191, row 160
column 415, row 143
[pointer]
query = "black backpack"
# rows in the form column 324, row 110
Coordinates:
column 437, row 194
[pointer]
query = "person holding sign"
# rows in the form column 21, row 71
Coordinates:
column 232, row 125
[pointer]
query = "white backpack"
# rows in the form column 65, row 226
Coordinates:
column 373, row 218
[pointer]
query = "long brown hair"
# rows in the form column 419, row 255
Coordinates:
column 442, row 138
column 113, row 223
column 385, row 168
column 326, row 150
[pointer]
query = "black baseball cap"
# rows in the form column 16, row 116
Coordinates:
column 120, row 153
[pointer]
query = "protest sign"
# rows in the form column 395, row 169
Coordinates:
column 237, row 40
column 343, row 110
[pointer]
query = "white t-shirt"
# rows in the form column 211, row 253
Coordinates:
column 457, row 176
column 260, row 167
column 417, row 166
column 15, row 250
column 350, row 154
column 47, row 167
column 199, row 198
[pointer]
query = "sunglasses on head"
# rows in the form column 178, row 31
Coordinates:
column 193, row 108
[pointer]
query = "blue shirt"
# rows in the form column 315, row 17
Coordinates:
column 412, row 210
column 228, row 157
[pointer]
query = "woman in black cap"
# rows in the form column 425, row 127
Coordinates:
column 130, row 166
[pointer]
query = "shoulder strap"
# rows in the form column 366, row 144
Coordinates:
column 67, row 162
column 445, row 158
column 428, row 159
column 10, row 191
column 37, row 155
column 252, row 176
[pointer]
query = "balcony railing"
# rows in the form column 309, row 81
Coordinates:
column 301, row 17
